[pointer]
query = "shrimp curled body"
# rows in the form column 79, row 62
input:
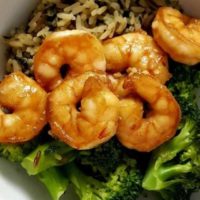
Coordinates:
column 178, row 35
column 27, row 102
column 130, row 106
column 138, row 52
column 79, row 49
column 96, row 118
column 159, row 124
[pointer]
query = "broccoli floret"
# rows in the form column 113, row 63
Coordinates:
column 183, row 85
column 177, row 162
column 16, row 152
column 42, row 162
column 177, row 192
column 51, row 155
column 123, row 184
column 11, row 152
column 102, row 160
column 48, row 155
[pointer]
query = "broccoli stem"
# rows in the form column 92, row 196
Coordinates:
column 54, row 181
column 177, row 144
column 161, row 178
column 48, row 155
column 166, row 173
column 81, row 182
column 160, row 172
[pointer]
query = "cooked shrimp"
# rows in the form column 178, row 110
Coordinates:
column 178, row 35
column 138, row 52
column 26, row 101
column 96, row 118
column 130, row 106
column 130, row 112
column 78, row 49
column 159, row 124
column 116, row 85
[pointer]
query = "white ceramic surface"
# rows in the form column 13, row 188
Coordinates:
column 15, row 184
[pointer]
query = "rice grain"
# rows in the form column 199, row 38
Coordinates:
column 103, row 18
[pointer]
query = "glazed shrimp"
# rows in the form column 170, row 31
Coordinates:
column 116, row 85
column 159, row 124
column 78, row 49
column 130, row 106
column 96, row 119
column 138, row 52
column 178, row 35
column 26, row 101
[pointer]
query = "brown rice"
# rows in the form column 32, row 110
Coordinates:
column 103, row 18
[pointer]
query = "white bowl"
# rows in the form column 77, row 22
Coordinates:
column 14, row 182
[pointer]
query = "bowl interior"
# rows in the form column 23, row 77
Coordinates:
column 12, row 178
column 12, row 15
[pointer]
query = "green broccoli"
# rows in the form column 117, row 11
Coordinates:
column 177, row 192
column 183, row 84
column 16, row 152
column 177, row 162
column 102, row 160
column 55, row 182
column 51, row 154
column 46, row 172
column 123, row 184
column 11, row 152
column 108, row 160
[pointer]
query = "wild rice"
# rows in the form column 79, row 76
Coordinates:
column 103, row 18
